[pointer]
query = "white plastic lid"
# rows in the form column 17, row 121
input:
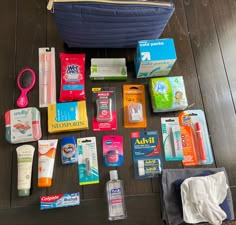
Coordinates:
column 113, row 175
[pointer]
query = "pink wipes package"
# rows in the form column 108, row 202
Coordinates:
column 22, row 125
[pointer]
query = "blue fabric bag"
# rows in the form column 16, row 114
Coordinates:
column 109, row 23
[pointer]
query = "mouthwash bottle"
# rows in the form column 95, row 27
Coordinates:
column 115, row 197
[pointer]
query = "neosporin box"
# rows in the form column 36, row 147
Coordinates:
column 68, row 116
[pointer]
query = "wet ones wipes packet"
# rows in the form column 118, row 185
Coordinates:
column 72, row 77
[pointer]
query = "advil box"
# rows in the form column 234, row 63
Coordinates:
column 154, row 57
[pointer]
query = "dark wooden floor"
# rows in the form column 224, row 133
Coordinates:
column 205, row 37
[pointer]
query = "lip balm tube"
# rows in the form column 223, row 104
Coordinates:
column 46, row 159
column 25, row 154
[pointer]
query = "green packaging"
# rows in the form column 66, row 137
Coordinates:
column 168, row 94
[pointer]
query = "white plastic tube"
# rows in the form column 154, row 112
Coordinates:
column 46, row 159
column 25, row 154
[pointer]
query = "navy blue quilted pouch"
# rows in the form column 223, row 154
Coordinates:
column 109, row 23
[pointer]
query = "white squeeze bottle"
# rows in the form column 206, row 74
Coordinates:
column 115, row 197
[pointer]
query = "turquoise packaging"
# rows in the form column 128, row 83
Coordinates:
column 171, row 137
column 87, row 161
column 68, row 150
column 168, row 94
column 59, row 200
column 154, row 57
column 146, row 154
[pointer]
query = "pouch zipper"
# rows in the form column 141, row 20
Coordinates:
column 129, row 2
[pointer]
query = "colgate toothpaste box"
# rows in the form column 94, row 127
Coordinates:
column 59, row 200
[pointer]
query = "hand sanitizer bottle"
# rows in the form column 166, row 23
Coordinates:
column 115, row 197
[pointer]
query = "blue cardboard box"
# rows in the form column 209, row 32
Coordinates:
column 154, row 57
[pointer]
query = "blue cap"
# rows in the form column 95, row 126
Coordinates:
column 68, row 140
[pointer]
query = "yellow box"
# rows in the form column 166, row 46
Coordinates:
column 67, row 116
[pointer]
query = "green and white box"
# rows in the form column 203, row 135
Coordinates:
column 108, row 69
column 154, row 57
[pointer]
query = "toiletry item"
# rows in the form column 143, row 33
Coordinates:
column 72, row 77
column 104, row 110
column 22, row 125
column 146, row 154
column 47, row 77
column 87, row 161
column 59, row 200
column 134, row 106
column 154, row 57
column 69, row 150
column 168, row 94
column 200, row 142
column 25, row 155
column 171, row 137
column 104, row 113
column 195, row 138
column 46, row 159
column 108, row 69
column 112, row 146
column 135, row 111
column 67, row 116
column 25, row 82
column 115, row 197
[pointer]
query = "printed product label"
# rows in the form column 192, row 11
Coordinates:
column 21, row 125
column 44, row 169
column 116, row 201
column 67, row 111
column 59, row 200
column 24, row 173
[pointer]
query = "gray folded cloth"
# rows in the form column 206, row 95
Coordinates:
column 170, row 200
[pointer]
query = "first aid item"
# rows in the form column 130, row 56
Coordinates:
column 172, row 141
column 115, row 197
column 123, row 23
column 201, row 197
column 47, row 77
column 168, row 94
column 195, row 138
column 108, row 69
column 134, row 106
column 25, row 155
column 72, row 77
column 22, row 125
column 67, row 116
column 59, row 200
column 146, row 154
column 25, row 82
column 46, row 158
column 112, row 146
column 105, row 114
column 69, row 153
column 154, row 57
column 87, row 161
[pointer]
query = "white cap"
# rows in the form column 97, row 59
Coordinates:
column 113, row 175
